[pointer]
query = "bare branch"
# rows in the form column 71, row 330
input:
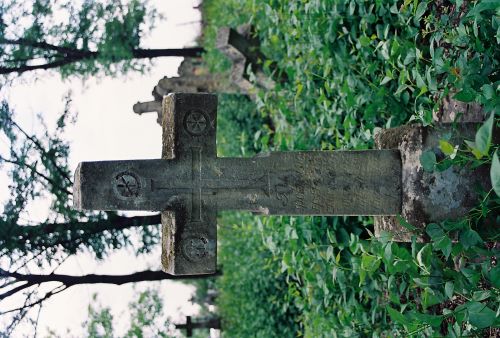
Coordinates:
column 112, row 223
column 181, row 52
column 49, row 294
column 39, row 147
column 37, row 319
column 14, row 290
column 70, row 280
column 45, row 66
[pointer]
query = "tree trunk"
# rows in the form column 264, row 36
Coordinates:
column 69, row 280
column 181, row 52
column 82, row 55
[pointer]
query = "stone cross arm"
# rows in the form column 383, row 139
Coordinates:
column 190, row 184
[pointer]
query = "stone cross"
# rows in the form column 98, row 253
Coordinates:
column 212, row 323
column 190, row 184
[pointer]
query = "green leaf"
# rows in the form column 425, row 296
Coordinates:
column 444, row 244
column 481, row 295
column 424, row 258
column 495, row 173
column 430, row 297
column 446, row 147
column 405, row 224
column 369, row 263
column 420, row 11
column 397, row 316
column 480, row 315
column 483, row 6
column 300, row 87
column 428, row 160
column 465, row 95
column 473, row 148
column 488, row 91
column 365, row 41
column 471, row 275
column 432, row 320
column 441, row 240
column 483, row 136
column 494, row 276
column 449, row 287
column 385, row 80
column 434, row 231
column 469, row 238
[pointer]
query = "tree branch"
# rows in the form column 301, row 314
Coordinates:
column 45, row 66
column 17, row 235
column 49, row 294
column 136, row 53
column 181, row 52
column 112, row 223
column 45, row 45
column 42, row 150
column 14, row 290
column 70, row 280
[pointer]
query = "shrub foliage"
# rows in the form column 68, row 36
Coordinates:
column 342, row 70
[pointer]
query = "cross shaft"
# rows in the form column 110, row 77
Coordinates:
column 190, row 184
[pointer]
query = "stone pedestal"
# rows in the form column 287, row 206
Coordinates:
column 434, row 196
column 430, row 196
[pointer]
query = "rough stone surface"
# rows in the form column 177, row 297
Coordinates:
column 456, row 111
column 194, row 77
column 429, row 197
column 190, row 184
column 243, row 51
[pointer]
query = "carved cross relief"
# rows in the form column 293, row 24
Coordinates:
column 190, row 184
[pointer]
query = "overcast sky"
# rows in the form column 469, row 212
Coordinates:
column 107, row 129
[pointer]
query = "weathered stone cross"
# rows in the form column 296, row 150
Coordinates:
column 190, row 184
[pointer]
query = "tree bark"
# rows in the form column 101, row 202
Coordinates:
column 153, row 53
column 76, row 55
column 53, row 234
column 45, row 66
column 69, row 280
column 112, row 223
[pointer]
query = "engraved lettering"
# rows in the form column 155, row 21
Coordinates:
column 282, row 193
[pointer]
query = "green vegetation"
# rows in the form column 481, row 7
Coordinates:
column 87, row 38
column 146, row 319
column 342, row 70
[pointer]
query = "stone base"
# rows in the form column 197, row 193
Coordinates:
column 430, row 196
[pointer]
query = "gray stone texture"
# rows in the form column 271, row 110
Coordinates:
column 194, row 77
column 430, row 196
column 243, row 51
column 190, row 184
column 452, row 110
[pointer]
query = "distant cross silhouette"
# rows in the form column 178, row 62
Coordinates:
column 212, row 323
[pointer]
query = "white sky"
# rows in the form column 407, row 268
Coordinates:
column 107, row 129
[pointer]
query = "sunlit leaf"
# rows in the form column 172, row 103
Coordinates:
column 484, row 135
column 495, row 173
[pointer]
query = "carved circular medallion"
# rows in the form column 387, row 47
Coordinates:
column 196, row 122
column 127, row 184
column 195, row 248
